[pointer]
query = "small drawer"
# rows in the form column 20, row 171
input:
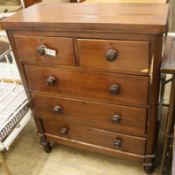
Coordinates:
column 78, row 83
column 46, row 50
column 115, row 118
column 114, row 55
column 98, row 137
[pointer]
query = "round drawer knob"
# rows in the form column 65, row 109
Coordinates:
column 114, row 89
column 116, row 119
column 118, row 143
column 64, row 131
column 41, row 50
column 111, row 55
column 57, row 109
column 50, row 80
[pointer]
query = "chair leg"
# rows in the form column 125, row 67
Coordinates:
column 4, row 165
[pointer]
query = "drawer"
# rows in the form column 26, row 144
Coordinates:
column 114, row 55
column 116, row 88
column 128, row 120
column 46, row 50
column 97, row 137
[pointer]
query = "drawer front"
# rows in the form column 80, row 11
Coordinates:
column 120, row 56
column 128, row 120
column 97, row 137
column 116, row 88
column 46, row 50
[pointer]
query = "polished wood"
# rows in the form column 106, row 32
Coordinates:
column 91, row 114
column 95, row 148
column 94, row 100
column 92, row 53
column 30, row 2
column 62, row 46
column 80, row 83
column 93, row 136
column 128, row 18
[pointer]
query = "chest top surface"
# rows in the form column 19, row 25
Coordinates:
column 130, row 18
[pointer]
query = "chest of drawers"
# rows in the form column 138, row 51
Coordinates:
column 92, row 76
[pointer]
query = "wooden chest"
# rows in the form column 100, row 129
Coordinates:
column 91, row 72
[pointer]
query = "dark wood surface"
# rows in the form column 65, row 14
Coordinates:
column 62, row 46
column 90, row 91
column 93, row 136
column 168, row 61
column 95, row 148
column 92, row 54
column 91, row 114
column 30, row 2
column 79, row 83
column 128, row 18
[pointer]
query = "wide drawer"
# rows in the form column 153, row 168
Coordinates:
column 129, row 120
column 47, row 50
column 114, row 55
column 116, row 88
column 97, row 137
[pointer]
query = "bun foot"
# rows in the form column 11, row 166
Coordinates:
column 47, row 145
column 149, row 169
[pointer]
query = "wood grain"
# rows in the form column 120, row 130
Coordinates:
column 62, row 46
column 88, row 84
column 92, row 53
column 93, row 136
column 86, row 113
column 123, row 18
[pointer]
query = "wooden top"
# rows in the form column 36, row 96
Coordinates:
column 126, row 1
column 119, row 17
column 168, row 62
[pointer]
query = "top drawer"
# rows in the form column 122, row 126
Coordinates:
column 115, row 55
column 47, row 50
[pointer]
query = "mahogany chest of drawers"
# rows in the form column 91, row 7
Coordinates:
column 91, row 72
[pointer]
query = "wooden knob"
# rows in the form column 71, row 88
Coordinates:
column 50, row 80
column 118, row 143
column 114, row 89
column 116, row 119
column 57, row 109
column 64, row 131
column 111, row 55
column 41, row 50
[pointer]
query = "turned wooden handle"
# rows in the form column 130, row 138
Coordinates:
column 111, row 55
column 50, row 80
column 114, row 89
column 118, row 143
column 41, row 50
column 57, row 109
column 116, row 119
column 64, row 131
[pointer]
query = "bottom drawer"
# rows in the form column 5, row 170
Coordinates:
column 95, row 136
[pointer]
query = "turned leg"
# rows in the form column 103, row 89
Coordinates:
column 46, row 144
column 149, row 168
column 2, row 161
column 149, row 164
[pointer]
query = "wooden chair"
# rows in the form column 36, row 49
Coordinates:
column 168, row 67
